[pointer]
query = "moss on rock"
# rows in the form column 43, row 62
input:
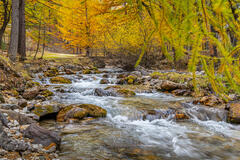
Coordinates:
column 93, row 110
column 46, row 93
column 81, row 111
column 86, row 71
column 60, row 80
column 31, row 84
column 52, row 72
column 126, row 92
column 43, row 110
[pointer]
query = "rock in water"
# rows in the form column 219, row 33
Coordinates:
column 170, row 86
column 81, row 111
column 234, row 113
column 101, row 92
column 45, row 110
column 104, row 81
column 93, row 110
column 60, row 80
column 42, row 136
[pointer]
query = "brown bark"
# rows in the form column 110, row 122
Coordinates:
column 13, row 47
column 39, row 37
column 22, row 31
column 6, row 19
column 44, row 43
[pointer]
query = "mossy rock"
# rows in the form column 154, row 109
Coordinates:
column 97, row 72
column 130, row 81
column 234, row 113
column 52, row 72
column 94, row 68
column 104, row 81
column 126, row 92
column 46, row 93
column 43, row 110
column 202, row 81
column 131, row 77
column 155, row 75
column 86, row 71
column 61, row 115
column 31, row 84
column 93, row 110
column 81, row 111
column 60, row 80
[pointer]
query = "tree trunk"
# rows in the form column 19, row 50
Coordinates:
column 22, row 31
column 13, row 47
column 44, row 43
column 39, row 37
column 6, row 18
column 87, row 29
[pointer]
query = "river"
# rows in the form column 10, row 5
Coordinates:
column 128, row 133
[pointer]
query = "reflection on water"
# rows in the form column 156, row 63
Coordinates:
column 123, row 134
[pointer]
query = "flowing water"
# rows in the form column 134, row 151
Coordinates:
column 127, row 133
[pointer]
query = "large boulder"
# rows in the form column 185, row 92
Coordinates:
column 101, row 92
column 21, row 118
column 60, row 80
column 234, row 113
column 10, row 144
column 45, row 110
column 170, row 86
column 42, row 136
column 119, row 91
column 125, row 93
column 81, row 111
column 93, row 110
column 210, row 100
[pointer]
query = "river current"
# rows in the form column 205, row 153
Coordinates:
column 127, row 133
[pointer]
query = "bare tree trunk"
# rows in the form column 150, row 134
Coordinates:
column 87, row 29
column 6, row 19
column 22, row 31
column 39, row 37
column 13, row 47
column 44, row 43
